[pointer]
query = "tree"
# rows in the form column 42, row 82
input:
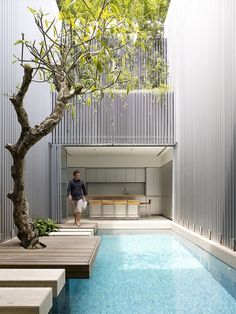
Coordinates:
column 84, row 51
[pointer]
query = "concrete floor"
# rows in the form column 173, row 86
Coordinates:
column 155, row 222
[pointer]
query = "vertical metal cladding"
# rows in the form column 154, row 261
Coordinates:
column 166, row 190
column 9, row 128
column 15, row 18
column 141, row 118
column 202, row 68
column 55, row 183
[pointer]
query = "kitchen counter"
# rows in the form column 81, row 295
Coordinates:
column 114, row 208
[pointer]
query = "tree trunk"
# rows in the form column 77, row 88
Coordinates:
column 27, row 231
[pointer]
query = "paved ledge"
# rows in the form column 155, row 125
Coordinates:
column 226, row 255
column 53, row 278
column 25, row 300
column 71, row 233
column 145, row 224
column 91, row 231
column 83, row 225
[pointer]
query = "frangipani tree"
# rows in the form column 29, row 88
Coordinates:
column 83, row 51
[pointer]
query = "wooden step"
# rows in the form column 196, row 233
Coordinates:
column 25, row 300
column 54, row 278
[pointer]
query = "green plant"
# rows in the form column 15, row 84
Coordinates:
column 45, row 226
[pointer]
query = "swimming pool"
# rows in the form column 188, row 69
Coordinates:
column 151, row 273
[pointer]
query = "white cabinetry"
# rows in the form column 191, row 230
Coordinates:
column 130, row 175
column 153, row 181
column 112, row 175
column 96, row 175
column 91, row 175
column 101, row 175
column 140, row 175
column 153, row 189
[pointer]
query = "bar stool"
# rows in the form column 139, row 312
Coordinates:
column 148, row 208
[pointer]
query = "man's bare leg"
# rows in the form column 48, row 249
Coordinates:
column 74, row 217
column 77, row 219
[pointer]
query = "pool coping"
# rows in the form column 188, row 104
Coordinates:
column 223, row 253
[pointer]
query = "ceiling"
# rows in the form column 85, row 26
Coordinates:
column 115, row 151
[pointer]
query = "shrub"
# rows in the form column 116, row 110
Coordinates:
column 45, row 225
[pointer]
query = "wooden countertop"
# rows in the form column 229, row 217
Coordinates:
column 114, row 202
column 114, row 195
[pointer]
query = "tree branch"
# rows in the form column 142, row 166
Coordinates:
column 59, row 4
column 46, row 126
column 17, row 100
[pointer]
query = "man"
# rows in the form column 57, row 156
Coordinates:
column 76, row 192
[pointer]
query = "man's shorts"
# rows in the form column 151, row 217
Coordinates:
column 77, row 206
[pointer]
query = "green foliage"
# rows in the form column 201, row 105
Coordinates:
column 45, row 226
column 98, row 44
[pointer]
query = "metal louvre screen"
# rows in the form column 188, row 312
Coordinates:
column 141, row 118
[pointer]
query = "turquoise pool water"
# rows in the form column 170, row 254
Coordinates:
column 156, row 273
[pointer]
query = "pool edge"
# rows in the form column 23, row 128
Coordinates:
column 223, row 253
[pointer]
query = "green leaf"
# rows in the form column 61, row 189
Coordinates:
column 33, row 11
column 88, row 102
column 67, row 106
column 128, row 88
column 45, row 226
column 99, row 66
column 73, row 112
column 19, row 41
column 52, row 87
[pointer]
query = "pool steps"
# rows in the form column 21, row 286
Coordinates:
column 73, row 232
column 25, row 300
column 15, row 277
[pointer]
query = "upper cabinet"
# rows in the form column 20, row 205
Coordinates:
column 130, row 175
column 101, row 175
column 120, row 175
column 96, row 175
column 140, row 175
column 115, row 175
column 91, row 175
column 153, row 181
column 111, row 175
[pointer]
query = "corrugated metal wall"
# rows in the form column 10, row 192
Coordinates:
column 141, row 119
column 201, row 38
column 166, row 190
column 14, row 19
column 55, row 182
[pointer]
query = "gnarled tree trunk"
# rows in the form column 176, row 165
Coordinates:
column 27, row 231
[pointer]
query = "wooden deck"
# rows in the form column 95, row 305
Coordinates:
column 73, row 253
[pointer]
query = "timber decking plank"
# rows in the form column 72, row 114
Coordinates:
column 74, row 254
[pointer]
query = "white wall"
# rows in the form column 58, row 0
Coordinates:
column 202, row 65
column 16, row 19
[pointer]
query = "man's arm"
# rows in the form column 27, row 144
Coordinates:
column 69, row 191
column 84, row 189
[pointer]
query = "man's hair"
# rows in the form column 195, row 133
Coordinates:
column 75, row 171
